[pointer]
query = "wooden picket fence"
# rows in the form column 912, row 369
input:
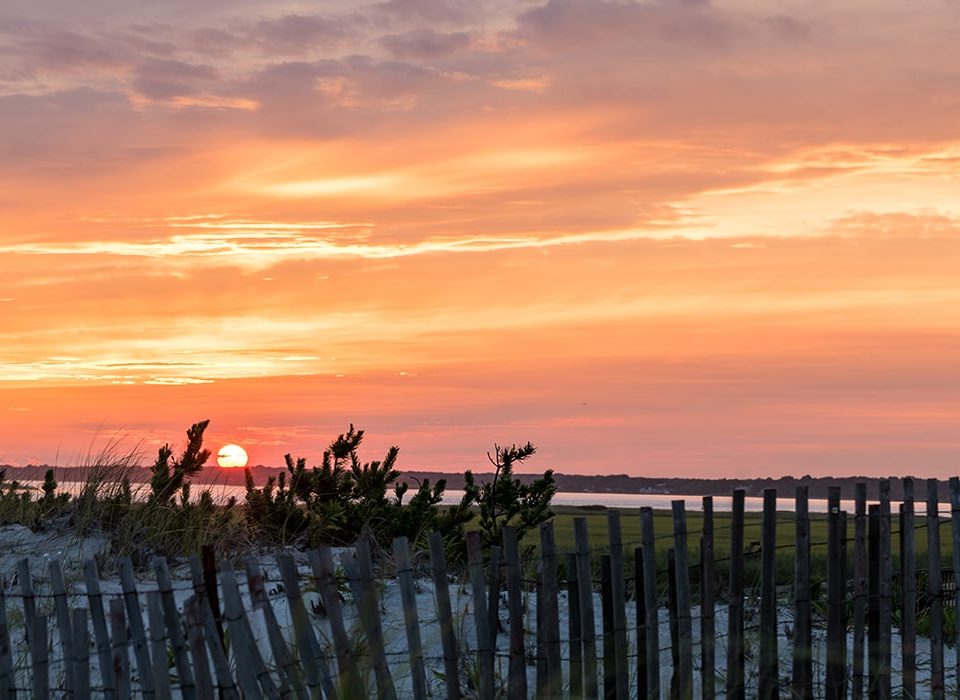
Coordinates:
column 207, row 645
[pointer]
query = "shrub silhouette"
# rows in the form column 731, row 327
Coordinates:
column 345, row 498
column 507, row 500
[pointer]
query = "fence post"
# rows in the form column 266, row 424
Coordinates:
column 493, row 594
column 873, row 603
column 540, row 686
column 684, row 622
column 137, row 632
column 198, row 649
column 641, row 623
column 859, row 586
column 91, row 579
column 171, row 619
column 39, row 657
column 481, row 621
column 588, row 630
column 411, row 618
column 370, row 617
column 551, row 609
column 288, row 671
column 29, row 602
column 836, row 585
column 252, row 671
column 908, row 588
column 707, row 605
column 619, row 593
column 802, row 682
column 735, row 657
column 768, row 681
column 81, row 654
column 451, row 666
column 955, row 530
column 7, row 685
column 609, row 635
column 650, row 603
column 674, row 626
column 574, row 628
column 885, row 591
column 59, row 589
column 934, row 585
column 517, row 670
column 324, row 570
column 121, row 656
column 158, row 646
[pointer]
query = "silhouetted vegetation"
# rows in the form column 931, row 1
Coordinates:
column 345, row 498
column 337, row 502
column 506, row 500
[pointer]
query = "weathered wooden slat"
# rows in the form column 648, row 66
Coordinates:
column 7, row 681
column 29, row 600
column 641, row 613
column 588, row 630
column 609, row 629
column 158, row 646
column 203, row 577
column 574, row 627
column 650, row 602
column 769, row 676
column 955, row 531
column 674, row 624
column 101, row 634
column 252, row 674
column 684, row 620
column 80, row 644
column 221, row 665
column 801, row 686
column 289, row 671
column 494, row 576
column 198, row 649
column 836, row 583
column 619, row 593
column 517, row 667
column 934, row 592
column 138, row 634
column 481, row 620
column 859, row 587
column 735, row 652
column 540, row 684
column 39, row 657
column 171, row 619
column 208, row 562
column 885, row 591
column 321, row 562
column 707, row 605
column 411, row 618
column 451, row 664
column 119, row 649
column 873, row 602
column 62, row 607
column 908, row 587
column 551, row 609
column 370, row 619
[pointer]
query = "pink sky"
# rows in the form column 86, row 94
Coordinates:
column 661, row 238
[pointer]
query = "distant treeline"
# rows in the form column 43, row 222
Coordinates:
column 607, row 483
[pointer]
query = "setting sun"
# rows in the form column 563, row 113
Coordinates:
column 231, row 456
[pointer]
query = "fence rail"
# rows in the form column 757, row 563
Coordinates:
column 541, row 626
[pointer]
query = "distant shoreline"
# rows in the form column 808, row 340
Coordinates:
column 818, row 487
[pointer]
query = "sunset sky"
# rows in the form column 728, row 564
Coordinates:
column 676, row 238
